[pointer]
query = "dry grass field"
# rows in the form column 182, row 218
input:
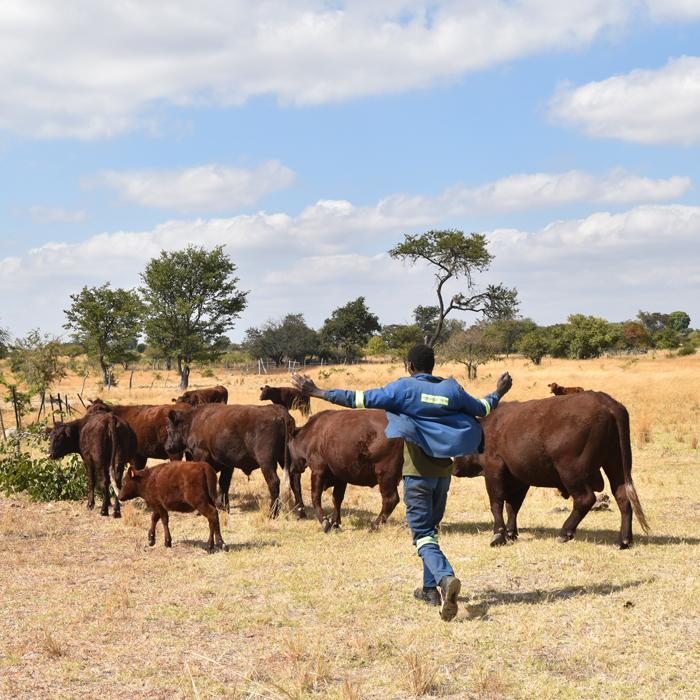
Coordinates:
column 88, row 610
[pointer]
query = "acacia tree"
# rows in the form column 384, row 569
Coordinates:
column 192, row 299
column 289, row 338
column 107, row 323
column 456, row 255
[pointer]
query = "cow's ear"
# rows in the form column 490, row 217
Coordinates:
column 135, row 473
column 174, row 400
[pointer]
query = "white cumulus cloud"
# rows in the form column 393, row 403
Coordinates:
column 95, row 68
column 674, row 9
column 645, row 106
column 205, row 188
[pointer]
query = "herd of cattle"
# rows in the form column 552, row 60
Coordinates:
column 560, row 442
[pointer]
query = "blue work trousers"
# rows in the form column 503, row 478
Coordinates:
column 425, row 498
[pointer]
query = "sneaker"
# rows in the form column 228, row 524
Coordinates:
column 449, row 590
column 427, row 595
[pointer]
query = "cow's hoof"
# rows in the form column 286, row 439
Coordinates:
column 326, row 525
column 301, row 514
column 336, row 526
column 104, row 513
column 512, row 536
column 498, row 539
column 117, row 514
column 168, row 543
column 90, row 506
column 565, row 537
column 625, row 544
column 151, row 541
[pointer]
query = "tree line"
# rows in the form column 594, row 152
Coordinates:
column 189, row 299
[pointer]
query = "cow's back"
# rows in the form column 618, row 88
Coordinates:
column 149, row 423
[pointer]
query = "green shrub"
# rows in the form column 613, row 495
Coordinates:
column 686, row 350
column 207, row 372
column 43, row 479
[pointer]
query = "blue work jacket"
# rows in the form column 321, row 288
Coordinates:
column 434, row 413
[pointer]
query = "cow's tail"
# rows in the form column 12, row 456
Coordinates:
column 622, row 419
column 114, row 456
column 210, row 477
column 287, row 464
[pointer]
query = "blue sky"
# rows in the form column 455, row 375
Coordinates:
column 308, row 137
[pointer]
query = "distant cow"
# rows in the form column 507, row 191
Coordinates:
column 563, row 390
column 348, row 447
column 243, row 437
column 286, row 396
column 179, row 486
column 106, row 443
column 558, row 443
column 215, row 394
column 149, row 423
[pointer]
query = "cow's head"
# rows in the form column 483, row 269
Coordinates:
column 131, row 484
column 97, row 406
column 468, row 465
column 176, row 439
column 63, row 439
column 266, row 393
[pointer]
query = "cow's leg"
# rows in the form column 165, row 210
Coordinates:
column 164, row 518
column 316, row 492
column 338, row 495
column 155, row 517
column 295, row 483
column 269, row 471
column 584, row 498
column 225, row 476
column 212, row 515
column 139, row 462
column 390, row 499
column 105, row 491
column 495, row 480
column 90, row 474
column 513, row 502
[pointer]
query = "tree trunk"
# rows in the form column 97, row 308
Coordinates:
column 184, row 371
column 105, row 372
column 471, row 371
column 169, row 363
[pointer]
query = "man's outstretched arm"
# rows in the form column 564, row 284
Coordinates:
column 482, row 407
column 384, row 397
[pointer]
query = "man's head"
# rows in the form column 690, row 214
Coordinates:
column 420, row 359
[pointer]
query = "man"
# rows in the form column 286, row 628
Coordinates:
column 436, row 419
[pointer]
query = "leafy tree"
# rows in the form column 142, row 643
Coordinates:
column 349, row 328
column 289, row 339
column 400, row 338
column 653, row 321
column 506, row 332
column 589, row 336
column 636, row 335
column 534, row 345
column 471, row 348
column 667, row 339
column 192, row 299
column 36, row 360
column 679, row 321
column 456, row 255
column 106, row 323
column 426, row 318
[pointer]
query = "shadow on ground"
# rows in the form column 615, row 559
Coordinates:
column 235, row 547
column 582, row 534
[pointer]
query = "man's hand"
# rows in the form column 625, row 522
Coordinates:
column 306, row 385
column 505, row 382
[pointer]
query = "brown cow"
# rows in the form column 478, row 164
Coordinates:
column 246, row 437
column 106, row 443
column 195, row 397
column 558, row 443
column 564, row 390
column 348, row 447
column 150, row 425
column 179, row 486
column 286, row 396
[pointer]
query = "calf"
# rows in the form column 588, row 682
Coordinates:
column 106, row 443
column 246, row 437
column 563, row 390
column 348, row 447
column 558, row 443
column 286, row 396
column 179, row 486
column 149, row 423
column 195, row 397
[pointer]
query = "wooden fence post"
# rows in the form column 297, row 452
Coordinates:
column 53, row 410
column 41, row 406
column 60, row 406
column 2, row 426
